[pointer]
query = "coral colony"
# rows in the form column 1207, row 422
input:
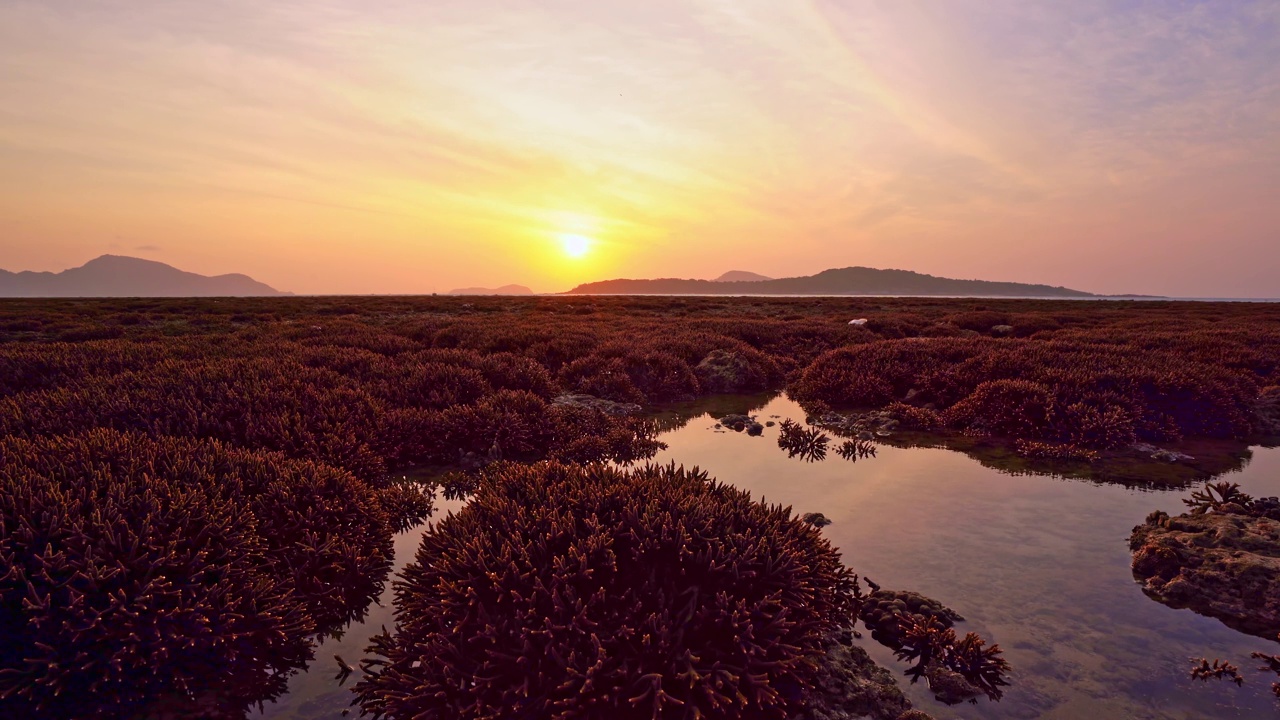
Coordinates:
column 196, row 490
column 563, row 591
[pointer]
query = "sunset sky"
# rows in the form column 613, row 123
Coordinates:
column 388, row 146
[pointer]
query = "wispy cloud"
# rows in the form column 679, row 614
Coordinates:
column 935, row 135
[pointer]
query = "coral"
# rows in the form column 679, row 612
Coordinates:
column 132, row 568
column 935, row 651
column 361, row 388
column 1216, row 496
column 883, row 611
column 1054, row 451
column 1009, row 408
column 641, row 594
column 1220, row 670
column 920, row 629
column 910, row 417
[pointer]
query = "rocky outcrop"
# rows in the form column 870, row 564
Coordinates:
column 862, row 425
column 1156, row 453
column 739, row 423
column 949, row 686
column 591, row 402
column 816, row 519
column 728, row 371
column 850, row 685
column 1222, row 563
column 883, row 611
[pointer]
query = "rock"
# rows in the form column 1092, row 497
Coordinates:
column 770, row 423
column 881, row 608
column 470, row 462
column 1219, row 564
column 755, row 429
column 1267, row 507
column 737, row 423
column 727, row 371
column 850, row 685
column 590, row 402
column 859, row 321
column 816, row 519
column 1002, row 330
column 948, row 686
column 1156, row 453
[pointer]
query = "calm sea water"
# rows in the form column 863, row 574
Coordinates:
column 1037, row 564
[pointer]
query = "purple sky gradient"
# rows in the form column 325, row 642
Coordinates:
column 344, row 146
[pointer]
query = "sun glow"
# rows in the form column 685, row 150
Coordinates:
column 575, row 246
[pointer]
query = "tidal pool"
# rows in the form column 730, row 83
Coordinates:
column 1036, row 563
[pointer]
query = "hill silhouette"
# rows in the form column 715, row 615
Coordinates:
column 741, row 276
column 504, row 290
column 120, row 276
column 839, row 281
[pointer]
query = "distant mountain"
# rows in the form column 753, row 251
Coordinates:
column 741, row 276
column 118, row 276
column 841, row 281
column 504, row 290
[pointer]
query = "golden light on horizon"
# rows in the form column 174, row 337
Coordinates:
column 574, row 245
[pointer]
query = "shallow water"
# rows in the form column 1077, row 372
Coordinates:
column 1037, row 564
column 316, row 693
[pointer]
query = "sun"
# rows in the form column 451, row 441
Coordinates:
column 575, row 246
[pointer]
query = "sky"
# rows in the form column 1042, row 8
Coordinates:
column 415, row 146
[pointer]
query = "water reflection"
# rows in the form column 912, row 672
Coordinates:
column 1207, row 458
column 1038, row 564
column 317, row 693
column 1035, row 563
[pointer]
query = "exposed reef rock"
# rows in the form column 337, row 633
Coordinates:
column 591, row 402
column 737, row 422
column 949, row 686
column 728, row 371
column 850, row 685
column 816, row 519
column 876, row 423
column 1156, row 453
column 1222, row 560
column 882, row 611
column 920, row 629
